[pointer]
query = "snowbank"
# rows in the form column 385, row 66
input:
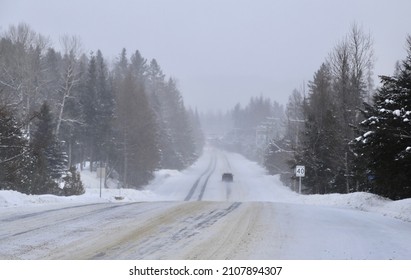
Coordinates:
column 362, row 201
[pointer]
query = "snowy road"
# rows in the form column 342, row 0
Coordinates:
column 196, row 216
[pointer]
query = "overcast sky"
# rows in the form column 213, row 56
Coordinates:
column 222, row 51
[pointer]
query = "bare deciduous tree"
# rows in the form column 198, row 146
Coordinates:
column 21, row 70
column 72, row 49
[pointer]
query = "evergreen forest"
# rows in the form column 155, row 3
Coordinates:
column 61, row 109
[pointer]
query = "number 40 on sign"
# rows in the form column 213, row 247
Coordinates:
column 300, row 171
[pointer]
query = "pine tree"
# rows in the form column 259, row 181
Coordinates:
column 89, row 111
column 158, row 100
column 72, row 183
column 135, row 132
column 104, row 111
column 49, row 161
column 178, row 124
column 386, row 140
column 139, row 67
column 14, row 156
column 321, row 138
column 53, row 72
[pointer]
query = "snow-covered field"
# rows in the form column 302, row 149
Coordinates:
column 255, row 217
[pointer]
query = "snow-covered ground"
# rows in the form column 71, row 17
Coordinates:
column 255, row 217
column 166, row 187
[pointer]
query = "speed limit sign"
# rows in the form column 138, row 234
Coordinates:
column 300, row 171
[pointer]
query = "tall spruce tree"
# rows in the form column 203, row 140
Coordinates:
column 135, row 130
column 139, row 67
column 49, row 161
column 385, row 143
column 321, row 139
column 180, row 127
column 104, row 111
column 159, row 101
column 89, row 111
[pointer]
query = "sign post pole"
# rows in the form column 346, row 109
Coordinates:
column 101, row 173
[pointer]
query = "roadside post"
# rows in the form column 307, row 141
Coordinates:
column 299, row 172
column 101, row 173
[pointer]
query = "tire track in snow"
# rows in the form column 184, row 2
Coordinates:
column 49, row 234
column 195, row 185
column 233, row 239
column 30, row 215
column 206, row 181
column 57, row 222
column 111, row 243
column 163, row 237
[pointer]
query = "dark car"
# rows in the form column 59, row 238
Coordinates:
column 227, row 177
